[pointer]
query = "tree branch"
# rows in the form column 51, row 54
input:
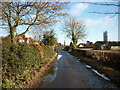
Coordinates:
column 30, row 24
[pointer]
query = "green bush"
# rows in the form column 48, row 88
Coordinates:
column 48, row 53
column 17, row 59
column 49, row 39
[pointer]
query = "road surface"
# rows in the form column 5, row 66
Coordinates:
column 70, row 73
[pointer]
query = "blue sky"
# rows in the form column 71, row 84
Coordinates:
column 96, row 24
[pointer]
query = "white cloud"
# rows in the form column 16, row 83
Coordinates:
column 78, row 9
column 104, row 22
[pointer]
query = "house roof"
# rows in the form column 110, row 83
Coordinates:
column 115, row 43
column 101, row 42
column 112, row 43
column 20, row 37
column 23, row 38
column 80, row 44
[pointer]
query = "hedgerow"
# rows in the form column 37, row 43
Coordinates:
column 18, row 60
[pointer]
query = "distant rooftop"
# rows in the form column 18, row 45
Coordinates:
column 112, row 43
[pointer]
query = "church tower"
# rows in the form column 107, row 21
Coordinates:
column 105, row 36
column 64, row 42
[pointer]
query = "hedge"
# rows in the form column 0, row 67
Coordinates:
column 110, row 58
column 18, row 60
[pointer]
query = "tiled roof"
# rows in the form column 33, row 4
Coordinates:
column 20, row 37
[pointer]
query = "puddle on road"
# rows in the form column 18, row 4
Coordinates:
column 67, row 53
column 52, row 72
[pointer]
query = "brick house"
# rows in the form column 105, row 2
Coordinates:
column 21, row 39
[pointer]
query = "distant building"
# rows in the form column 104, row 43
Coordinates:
column 64, row 42
column 105, row 36
column 21, row 39
column 107, row 45
column 81, row 45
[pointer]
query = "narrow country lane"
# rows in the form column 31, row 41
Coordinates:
column 70, row 73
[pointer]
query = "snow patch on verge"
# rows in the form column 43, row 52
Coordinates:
column 95, row 71
column 101, row 75
column 58, row 57
column 88, row 66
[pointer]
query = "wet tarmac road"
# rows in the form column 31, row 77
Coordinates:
column 70, row 73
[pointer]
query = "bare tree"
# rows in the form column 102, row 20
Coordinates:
column 37, row 34
column 38, row 31
column 74, row 29
column 16, row 14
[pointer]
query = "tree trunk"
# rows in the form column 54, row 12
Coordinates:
column 12, row 34
column 74, row 39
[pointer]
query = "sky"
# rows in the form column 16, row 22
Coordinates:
column 96, row 24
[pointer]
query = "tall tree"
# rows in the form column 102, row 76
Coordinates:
column 15, row 14
column 74, row 29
